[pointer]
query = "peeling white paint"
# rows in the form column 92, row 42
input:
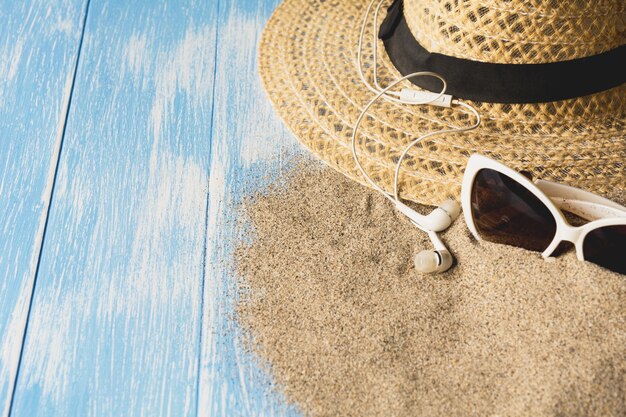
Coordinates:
column 134, row 55
column 187, row 69
column 14, row 60
column 36, row 68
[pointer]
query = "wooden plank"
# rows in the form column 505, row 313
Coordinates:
column 38, row 50
column 115, row 323
column 250, row 148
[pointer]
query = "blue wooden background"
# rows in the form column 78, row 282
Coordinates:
column 128, row 131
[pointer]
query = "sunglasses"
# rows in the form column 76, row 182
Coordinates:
column 503, row 206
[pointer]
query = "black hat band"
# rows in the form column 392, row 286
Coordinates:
column 500, row 83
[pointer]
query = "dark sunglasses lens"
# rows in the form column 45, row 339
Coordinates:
column 506, row 212
column 606, row 246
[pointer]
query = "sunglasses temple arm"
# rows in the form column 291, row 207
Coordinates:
column 582, row 203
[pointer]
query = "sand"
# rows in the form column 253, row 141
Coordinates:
column 331, row 301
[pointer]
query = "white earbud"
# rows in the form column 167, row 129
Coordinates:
column 433, row 261
column 438, row 220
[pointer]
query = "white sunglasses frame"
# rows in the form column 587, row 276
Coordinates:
column 599, row 211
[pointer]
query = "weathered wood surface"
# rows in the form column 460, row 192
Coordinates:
column 249, row 148
column 167, row 128
column 114, row 328
column 38, row 49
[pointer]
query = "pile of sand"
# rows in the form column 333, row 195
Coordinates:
column 331, row 300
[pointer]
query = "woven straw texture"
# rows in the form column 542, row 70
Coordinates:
column 513, row 32
column 309, row 69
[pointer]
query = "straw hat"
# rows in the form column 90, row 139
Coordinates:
column 308, row 65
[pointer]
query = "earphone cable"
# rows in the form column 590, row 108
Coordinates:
column 431, row 134
column 355, row 129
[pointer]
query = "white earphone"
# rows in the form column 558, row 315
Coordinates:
column 439, row 259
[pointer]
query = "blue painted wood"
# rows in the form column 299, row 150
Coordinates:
column 38, row 49
column 116, row 318
column 250, row 148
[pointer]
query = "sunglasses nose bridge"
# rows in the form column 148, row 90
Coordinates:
column 567, row 232
column 564, row 233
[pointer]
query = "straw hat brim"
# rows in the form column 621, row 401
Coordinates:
column 308, row 66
